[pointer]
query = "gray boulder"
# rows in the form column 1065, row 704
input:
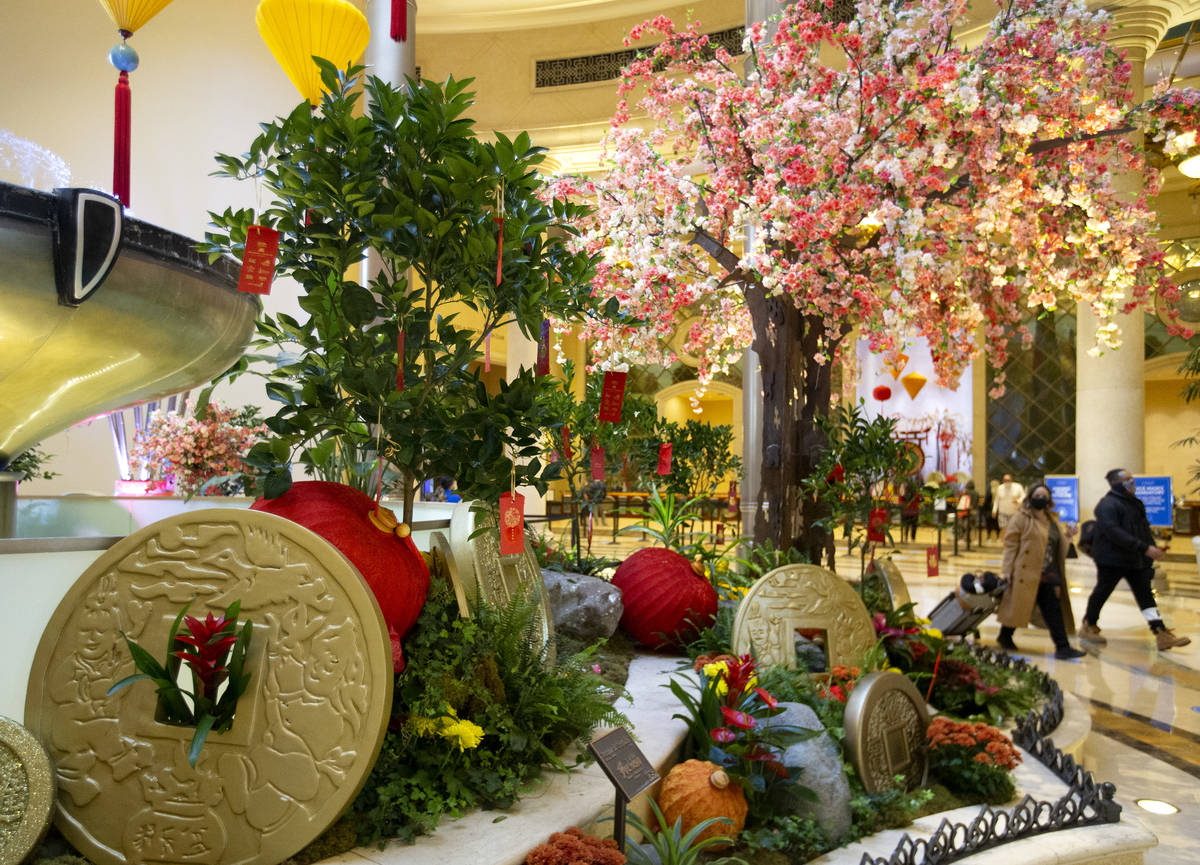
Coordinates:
column 820, row 760
column 584, row 607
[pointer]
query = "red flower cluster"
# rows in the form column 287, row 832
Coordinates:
column 575, row 848
column 209, row 643
column 842, row 680
column 959, row 675
column 989, row 745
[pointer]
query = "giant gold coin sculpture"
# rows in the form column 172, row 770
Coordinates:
column 891, row 580
column 802, row 597
column 500, row 578
column 885, row 727
column 26, row 792
column 307, row 729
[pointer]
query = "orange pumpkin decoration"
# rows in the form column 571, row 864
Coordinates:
column 697, row 791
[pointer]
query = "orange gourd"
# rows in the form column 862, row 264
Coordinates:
column 697, row 791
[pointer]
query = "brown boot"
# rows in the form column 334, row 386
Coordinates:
column 1091, row 634
column 1167, row 640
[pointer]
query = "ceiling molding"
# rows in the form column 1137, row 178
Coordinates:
column 480, row 16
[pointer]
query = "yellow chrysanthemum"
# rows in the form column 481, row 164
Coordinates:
column 717, row 671
column 464, row 733
column 934, row 632
column 422, row 726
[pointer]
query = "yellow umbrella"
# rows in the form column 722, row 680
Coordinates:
column 296, row 30
column 129, row 15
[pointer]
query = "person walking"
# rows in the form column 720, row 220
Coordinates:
column 1123, row 548
column 910, row 510
column 1035, row 566
column 1008, row 498
column 987, row 516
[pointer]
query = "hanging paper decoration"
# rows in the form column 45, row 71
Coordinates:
column 400, row 361
column 597, row 459
column 931, row 561
column 896, row 366
column 882, row 393
column 129, row 16
column 733, row 496
column 664, row 458
column 543, row 350
column 512, row 523
column 258, row 260
column 399, row 20
column 876, row 521
column 611, row 397
column 296, row 30
column 913, row 382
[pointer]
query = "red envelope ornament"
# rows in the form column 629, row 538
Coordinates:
column 512, row 524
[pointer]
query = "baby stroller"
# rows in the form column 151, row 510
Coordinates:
column 964, row 609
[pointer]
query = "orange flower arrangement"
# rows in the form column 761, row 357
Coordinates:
column 972, row 760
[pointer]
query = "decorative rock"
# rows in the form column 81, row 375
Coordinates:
column 588, row 608
column 821, row 762
column 666, row 602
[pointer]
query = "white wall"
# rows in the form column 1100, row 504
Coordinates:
column 205, row 81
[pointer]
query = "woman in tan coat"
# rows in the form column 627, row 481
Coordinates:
column 1035, row 565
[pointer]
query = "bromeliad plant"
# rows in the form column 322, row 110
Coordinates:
column 725, row 726
column 215, row 652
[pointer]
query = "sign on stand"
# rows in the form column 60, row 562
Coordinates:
column 1064, row 489
column 1155, row 493
column 628, row 770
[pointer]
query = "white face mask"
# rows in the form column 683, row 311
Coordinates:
column 1129, row 484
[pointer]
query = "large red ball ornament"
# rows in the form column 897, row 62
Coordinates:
column 391, row 565
column 882, row 393
column 666, row 602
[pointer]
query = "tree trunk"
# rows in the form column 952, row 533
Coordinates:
column 796, row 391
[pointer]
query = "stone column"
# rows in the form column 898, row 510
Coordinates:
column 522, row 352
column 1110, row 393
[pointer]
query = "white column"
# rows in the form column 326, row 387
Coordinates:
column 387, row 58
column 522, row 352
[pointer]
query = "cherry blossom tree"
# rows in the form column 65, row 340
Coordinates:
column 897, row 183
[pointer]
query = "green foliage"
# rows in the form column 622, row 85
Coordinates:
column 488, row 671
column 801, row 838
column 398, row 172
column 717, row 638
column 701, row 457
column 32, row 464
column 892, row 808
column 671, row 845
column 863, row 458
column 669, row 524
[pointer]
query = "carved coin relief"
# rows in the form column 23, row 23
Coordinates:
column 306, row 731
column 802, row 597
column 886, row 719
column 26, row 791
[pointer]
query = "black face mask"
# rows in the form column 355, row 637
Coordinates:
column 1039, row 504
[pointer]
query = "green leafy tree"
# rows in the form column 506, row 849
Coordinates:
column 400, row 174
column 701, row 457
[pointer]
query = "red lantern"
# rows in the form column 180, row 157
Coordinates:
column 392, row 565
column 666, row 602
column 882, row 393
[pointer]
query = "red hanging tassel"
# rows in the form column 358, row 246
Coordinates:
column 121, row 128
column 400, row 20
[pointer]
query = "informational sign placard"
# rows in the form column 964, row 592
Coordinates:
column 623, row 762
column 1065, row 491
column 1155, row 493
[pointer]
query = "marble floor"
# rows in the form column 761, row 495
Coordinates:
column 1145, row 704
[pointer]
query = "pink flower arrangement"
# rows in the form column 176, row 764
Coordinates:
column 195, row 450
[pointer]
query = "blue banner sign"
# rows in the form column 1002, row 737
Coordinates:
column 1155, row 493
column 1065, row 491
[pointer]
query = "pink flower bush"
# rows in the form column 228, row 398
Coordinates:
column 194, row 451
column 893, row 177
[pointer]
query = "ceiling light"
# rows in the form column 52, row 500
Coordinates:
column 1156, row 806
column 1190, row 167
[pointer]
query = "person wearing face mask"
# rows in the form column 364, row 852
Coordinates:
column 1035, row 565
column 1124, row 548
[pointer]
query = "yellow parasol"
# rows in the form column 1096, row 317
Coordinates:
column 298, row 30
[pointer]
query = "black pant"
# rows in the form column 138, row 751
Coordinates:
column 1048, row 603
column 1107, row 579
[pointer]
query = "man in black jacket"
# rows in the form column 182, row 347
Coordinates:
column 1124, row 547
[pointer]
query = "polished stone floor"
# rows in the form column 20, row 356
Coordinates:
column 1145, row 704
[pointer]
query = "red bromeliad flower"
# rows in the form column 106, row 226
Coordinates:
column 741, row 720
column 209, row 646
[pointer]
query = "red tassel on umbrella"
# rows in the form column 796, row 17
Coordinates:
column 400, row 20
column 121, row 133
